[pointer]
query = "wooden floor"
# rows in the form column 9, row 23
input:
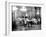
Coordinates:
column 34, row 27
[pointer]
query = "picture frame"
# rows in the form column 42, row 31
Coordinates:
column 8, row 13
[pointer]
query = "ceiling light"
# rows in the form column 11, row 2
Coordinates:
column 15, row 8
column 23, row 9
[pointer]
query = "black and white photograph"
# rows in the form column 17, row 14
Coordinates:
column 22, row 18
column 26, row 18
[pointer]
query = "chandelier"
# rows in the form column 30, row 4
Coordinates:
column 15, row 8
column 23, row 9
